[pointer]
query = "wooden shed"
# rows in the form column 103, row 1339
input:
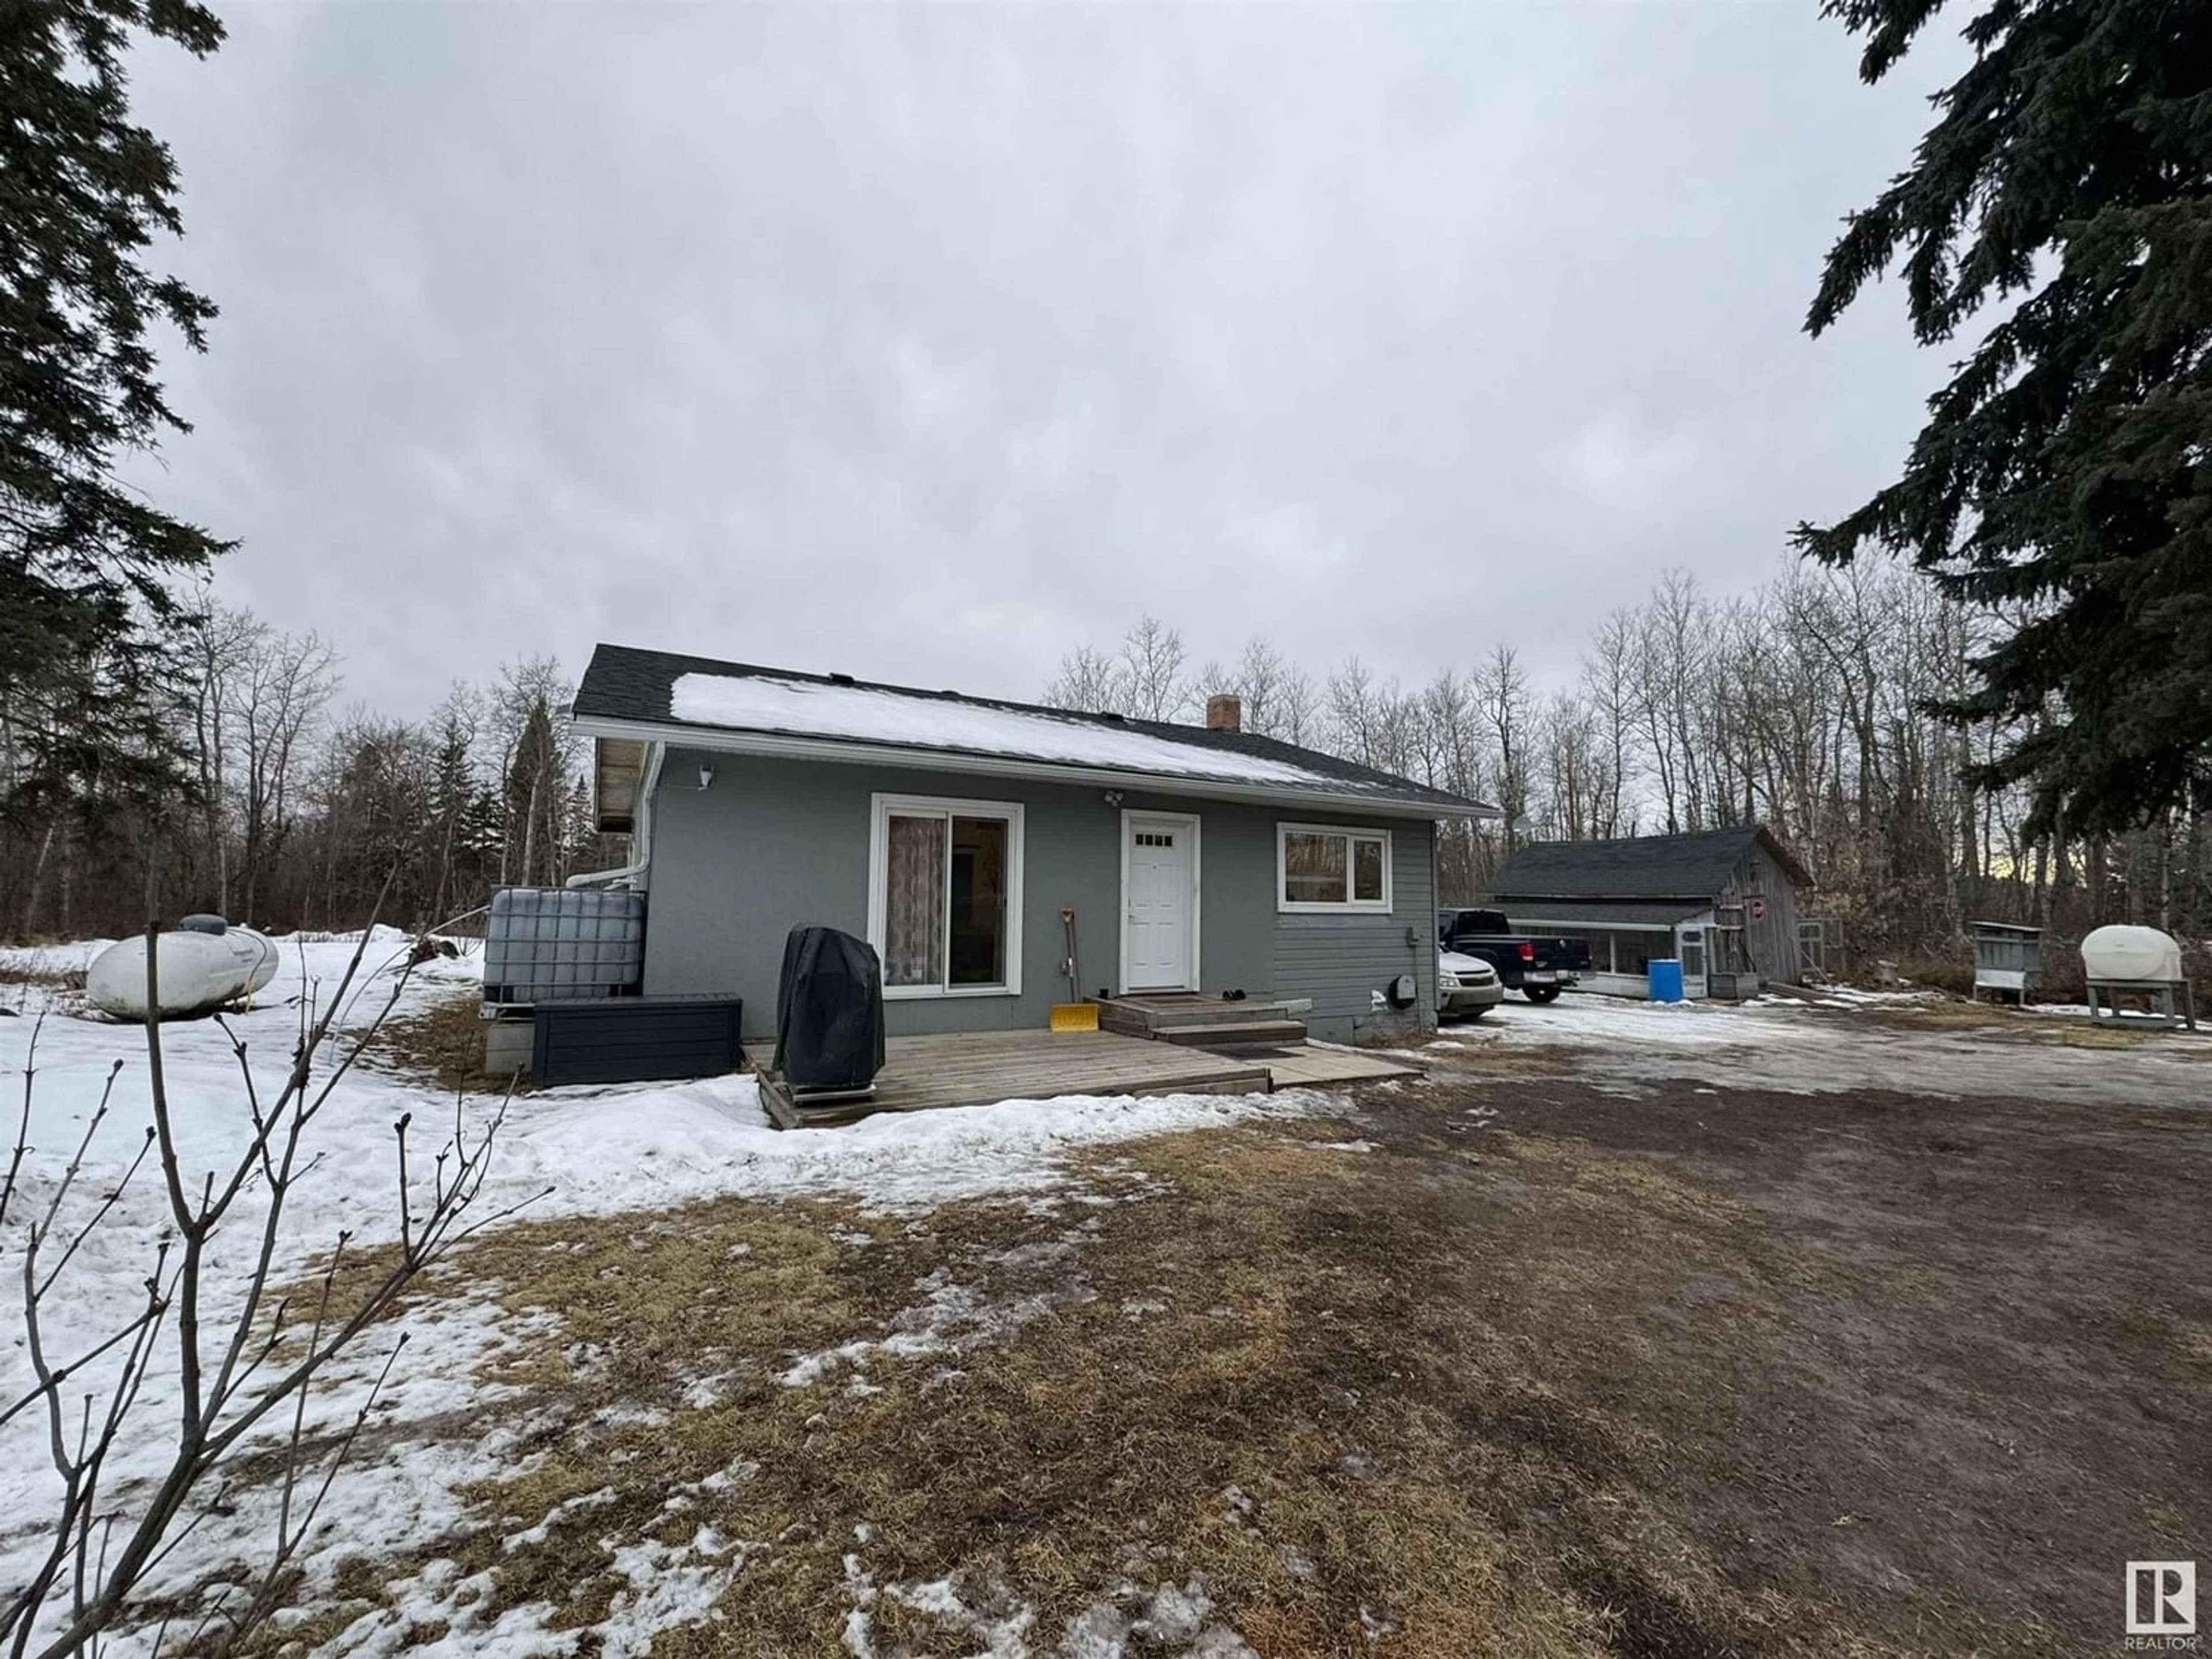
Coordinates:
column 1728, row 903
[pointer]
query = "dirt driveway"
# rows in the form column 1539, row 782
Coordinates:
column 1937, row 1048
column 1577, row 1347
column 1929, row 1372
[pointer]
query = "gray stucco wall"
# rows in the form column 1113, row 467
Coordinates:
column 773, row 844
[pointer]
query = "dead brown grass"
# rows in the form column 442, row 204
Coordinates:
column 36, row 977
column 2015, row 1024
column 1481, row 1053
column 2061, row 978
column 444, row 1044
column 645, row 1303
column 2084, row 1034
column 1272, row 1365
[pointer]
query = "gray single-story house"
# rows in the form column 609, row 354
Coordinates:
column 968, row 840
column 1726, row 902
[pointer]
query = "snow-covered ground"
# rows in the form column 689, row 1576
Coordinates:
column 1793, row 1046
column 577, row 1150
column 596, row 1152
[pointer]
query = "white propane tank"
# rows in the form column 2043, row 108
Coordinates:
column 201, row 970
column 2130, row 953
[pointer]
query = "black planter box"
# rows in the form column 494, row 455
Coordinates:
column 635, row 1039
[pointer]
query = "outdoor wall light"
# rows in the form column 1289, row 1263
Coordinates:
column 706, row 776
column 1113, row 798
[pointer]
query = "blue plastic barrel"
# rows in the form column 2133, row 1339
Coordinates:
column 1666, row 979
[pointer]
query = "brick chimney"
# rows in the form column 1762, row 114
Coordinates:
column 1224, row 713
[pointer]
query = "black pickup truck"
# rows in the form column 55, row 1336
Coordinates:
column 1539, row 968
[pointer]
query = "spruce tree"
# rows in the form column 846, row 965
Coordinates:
column 2062, row 200
column 86, row 565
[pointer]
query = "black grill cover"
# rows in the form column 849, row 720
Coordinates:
column 829, row 1011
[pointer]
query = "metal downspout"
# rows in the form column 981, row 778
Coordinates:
column 641, row 840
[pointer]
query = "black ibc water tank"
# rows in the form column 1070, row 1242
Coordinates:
column 828, row 1013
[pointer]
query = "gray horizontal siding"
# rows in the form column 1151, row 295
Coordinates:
column 1342, row 962
column 775, row 843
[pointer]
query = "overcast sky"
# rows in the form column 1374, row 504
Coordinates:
column 925, row 342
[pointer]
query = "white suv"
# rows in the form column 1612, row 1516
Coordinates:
column 1467, row 985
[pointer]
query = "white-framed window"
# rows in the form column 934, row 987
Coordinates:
column 945, row 896
column 1327, row 869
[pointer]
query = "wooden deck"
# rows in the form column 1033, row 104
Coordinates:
column 1308, row 1065
column 979, row 1068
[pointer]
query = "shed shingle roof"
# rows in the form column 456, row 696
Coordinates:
column 637, row 687
column 1690, row 866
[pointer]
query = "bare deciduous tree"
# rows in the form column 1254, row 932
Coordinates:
column 222, row 639
column 1089, row 682
column 1609, row 682
column 240, row 1369
column 1671, row 661
column 1152, row 667
column 281, row 691
column 1501, row 691
column 1805, row 705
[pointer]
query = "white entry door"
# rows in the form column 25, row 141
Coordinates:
column 1158, row 937
column 1691, row 945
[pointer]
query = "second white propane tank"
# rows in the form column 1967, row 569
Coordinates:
column 2130, row 953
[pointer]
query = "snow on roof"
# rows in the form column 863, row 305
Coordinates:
column 759, row 702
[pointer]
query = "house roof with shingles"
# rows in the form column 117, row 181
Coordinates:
column 633, row 693
column 1693, row 867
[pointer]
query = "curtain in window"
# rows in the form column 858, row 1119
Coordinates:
column 914, row 907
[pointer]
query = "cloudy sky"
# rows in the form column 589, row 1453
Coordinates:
column 924, row 341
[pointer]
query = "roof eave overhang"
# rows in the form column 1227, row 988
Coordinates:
column 785, row 746
column 1701, row 900
column 1607, row 924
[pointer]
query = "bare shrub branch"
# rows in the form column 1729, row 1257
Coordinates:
column 239, row 1366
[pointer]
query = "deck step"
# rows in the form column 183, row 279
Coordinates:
column 1152, row 1017
column 1234, row 1031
